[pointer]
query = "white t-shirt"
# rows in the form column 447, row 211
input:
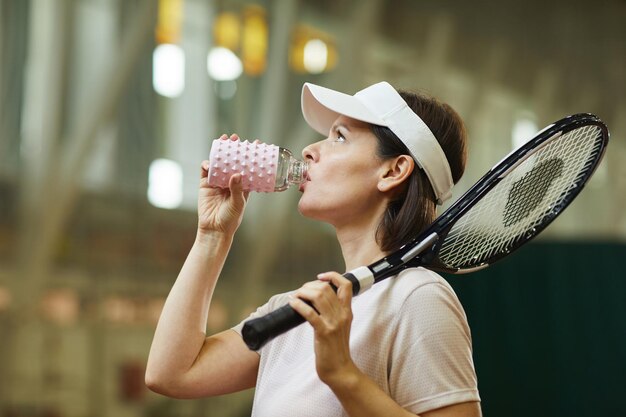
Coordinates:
column 409, row 334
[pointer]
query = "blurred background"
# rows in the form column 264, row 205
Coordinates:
column 107, row 108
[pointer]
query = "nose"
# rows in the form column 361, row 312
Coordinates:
column 311, row 152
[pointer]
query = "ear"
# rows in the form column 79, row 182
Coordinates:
column 395, row 172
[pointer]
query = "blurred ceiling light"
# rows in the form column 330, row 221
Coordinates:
column 523, row 130
column 168, row 70
column 254, row 40
column 226, row 30
column 169, row 21
column 312, row 51
column 223, row 64
column 165, row 184
column 119, row 310
column 315, row 56
column 61, row 306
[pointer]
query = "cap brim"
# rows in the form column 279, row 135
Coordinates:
column 321, row 106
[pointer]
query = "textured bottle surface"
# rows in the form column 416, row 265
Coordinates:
column 264, row 167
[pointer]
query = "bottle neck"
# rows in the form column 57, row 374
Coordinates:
column 297, row 173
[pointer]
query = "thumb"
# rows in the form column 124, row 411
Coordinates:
column 236, row 190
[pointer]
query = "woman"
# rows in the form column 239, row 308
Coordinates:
column 400, row 349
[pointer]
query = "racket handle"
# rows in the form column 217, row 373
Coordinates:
column 259, row 331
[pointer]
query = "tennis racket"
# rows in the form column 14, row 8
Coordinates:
column 507, row 207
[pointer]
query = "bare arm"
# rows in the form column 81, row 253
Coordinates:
column 183, row 362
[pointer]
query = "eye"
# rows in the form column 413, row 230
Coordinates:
column 339, row 137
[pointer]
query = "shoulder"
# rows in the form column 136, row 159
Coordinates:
column 431, row 363
column 429, row 303
column 415, row 303
column 420, row 283
column 418, row 277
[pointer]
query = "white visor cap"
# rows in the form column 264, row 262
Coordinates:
column 380, row 104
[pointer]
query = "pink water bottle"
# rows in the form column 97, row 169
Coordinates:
column 264, row 167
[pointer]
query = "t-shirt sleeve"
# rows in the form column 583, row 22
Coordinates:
column 275, row 302
column 432, row 364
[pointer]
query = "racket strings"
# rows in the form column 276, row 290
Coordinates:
column 528, row 192
column 530, row 195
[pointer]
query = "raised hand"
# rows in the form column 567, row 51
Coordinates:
column 220, row 209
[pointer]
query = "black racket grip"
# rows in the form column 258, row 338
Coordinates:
column 259, row 331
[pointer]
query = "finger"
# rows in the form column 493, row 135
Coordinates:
column 234, row 136
column 306, row 311
column 314, row 295
column 236, row 190
column 321, row 296
column 235, row 183
column 224, row 136
column 238, row 186
column 344, row 286
column 204, row 174
column 204, row 169
column 319, row 285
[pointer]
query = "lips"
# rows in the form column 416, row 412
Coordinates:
column 303, row 185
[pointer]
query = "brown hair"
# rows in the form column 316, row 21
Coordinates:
column 414, row 208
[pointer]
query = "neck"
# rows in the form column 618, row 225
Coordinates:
column 358, row 244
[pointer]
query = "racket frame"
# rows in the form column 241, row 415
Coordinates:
column 423, row 250
column 442, row 225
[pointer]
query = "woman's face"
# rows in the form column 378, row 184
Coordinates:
column 344, row 171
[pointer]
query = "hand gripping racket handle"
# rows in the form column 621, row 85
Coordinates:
column 259, row 331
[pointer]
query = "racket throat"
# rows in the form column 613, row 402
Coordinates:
column 426, row 243
column 362, row 279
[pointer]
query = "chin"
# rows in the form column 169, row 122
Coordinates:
column 303, row 208
column 311, row 211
